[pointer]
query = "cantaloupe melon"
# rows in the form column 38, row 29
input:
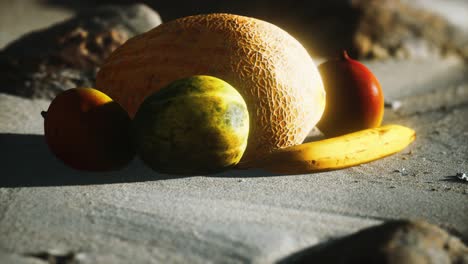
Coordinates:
column 271, row 70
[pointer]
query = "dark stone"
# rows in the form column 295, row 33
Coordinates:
column 68, row 54
column 394, row 242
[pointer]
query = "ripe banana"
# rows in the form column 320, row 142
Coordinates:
column 339, row 152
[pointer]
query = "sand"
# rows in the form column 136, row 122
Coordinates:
column 237, row 216
column 138, row 216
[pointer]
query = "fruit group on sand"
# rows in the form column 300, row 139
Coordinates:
column 271, row 70
column 88, row 131
column 354, row 97
column 198, row 124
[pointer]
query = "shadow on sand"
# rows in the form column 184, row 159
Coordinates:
column 27, row 162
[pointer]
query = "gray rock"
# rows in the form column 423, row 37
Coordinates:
column 398, row 29
column 394, row 242
column 383, row 29
column 68, row 54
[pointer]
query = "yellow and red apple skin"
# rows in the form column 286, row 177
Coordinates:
column 88, row 131
column 354, row 97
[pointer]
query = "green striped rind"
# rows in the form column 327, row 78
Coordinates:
column 195, row 125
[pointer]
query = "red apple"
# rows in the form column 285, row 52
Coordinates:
column 88, row 131
column 354, row 98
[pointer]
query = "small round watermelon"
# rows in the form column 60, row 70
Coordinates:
column 194, row 125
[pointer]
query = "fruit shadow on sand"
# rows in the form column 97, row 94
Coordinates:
column 27, row 162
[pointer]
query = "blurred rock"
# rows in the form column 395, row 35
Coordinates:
column 68, row 54
column 394, row 242
column 382, row 29
column 393, row 28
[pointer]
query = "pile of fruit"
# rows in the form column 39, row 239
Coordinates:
column 206, row 93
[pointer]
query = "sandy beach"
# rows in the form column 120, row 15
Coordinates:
column 240, row 216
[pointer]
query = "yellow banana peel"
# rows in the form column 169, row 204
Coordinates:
column 339, row 152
